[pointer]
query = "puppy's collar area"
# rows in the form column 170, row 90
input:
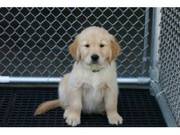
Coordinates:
column 96, row 70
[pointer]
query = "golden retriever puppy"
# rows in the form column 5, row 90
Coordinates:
column 91, row 86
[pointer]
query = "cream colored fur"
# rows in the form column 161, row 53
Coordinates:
column 85, row 90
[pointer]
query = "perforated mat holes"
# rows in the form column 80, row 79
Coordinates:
column 137, row 107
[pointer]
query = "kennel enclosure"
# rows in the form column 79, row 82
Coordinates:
column 34, row 41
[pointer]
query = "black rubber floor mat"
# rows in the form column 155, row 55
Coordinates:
column 137, row 107
column 5, row 100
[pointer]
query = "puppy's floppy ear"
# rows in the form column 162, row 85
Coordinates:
column 74, row 50
column 115, row 49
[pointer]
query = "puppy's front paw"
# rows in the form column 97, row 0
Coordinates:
column 114, row 118
column 72, row 118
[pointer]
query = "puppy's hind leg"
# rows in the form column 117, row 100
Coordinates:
column 46, row 106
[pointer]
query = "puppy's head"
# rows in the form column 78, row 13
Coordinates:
column 95, row 47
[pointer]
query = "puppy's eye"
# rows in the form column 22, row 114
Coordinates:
column 101, row 45
column 87, row 45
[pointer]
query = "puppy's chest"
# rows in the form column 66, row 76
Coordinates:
column 94, row 80
column 92, row 98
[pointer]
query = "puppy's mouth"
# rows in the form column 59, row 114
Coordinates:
column 94, row 63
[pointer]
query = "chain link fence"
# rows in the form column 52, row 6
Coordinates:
column 34, row 41
column 169, row 52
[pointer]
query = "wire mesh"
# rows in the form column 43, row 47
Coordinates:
column 34, row 41
column 170, row 59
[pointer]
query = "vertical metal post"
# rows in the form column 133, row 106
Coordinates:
column 154, row 73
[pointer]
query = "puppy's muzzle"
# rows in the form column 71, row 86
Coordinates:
column 94, row 58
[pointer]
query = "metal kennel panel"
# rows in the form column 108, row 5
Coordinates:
column 169, row 59
column 34, row 41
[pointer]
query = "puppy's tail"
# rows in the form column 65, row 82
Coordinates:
column 46, row 106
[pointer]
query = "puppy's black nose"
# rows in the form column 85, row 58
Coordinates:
column 94, row 57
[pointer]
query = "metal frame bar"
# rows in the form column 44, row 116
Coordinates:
column 7, row 79
column 154, row 70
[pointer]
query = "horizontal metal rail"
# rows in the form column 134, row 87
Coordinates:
column 8, row 79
